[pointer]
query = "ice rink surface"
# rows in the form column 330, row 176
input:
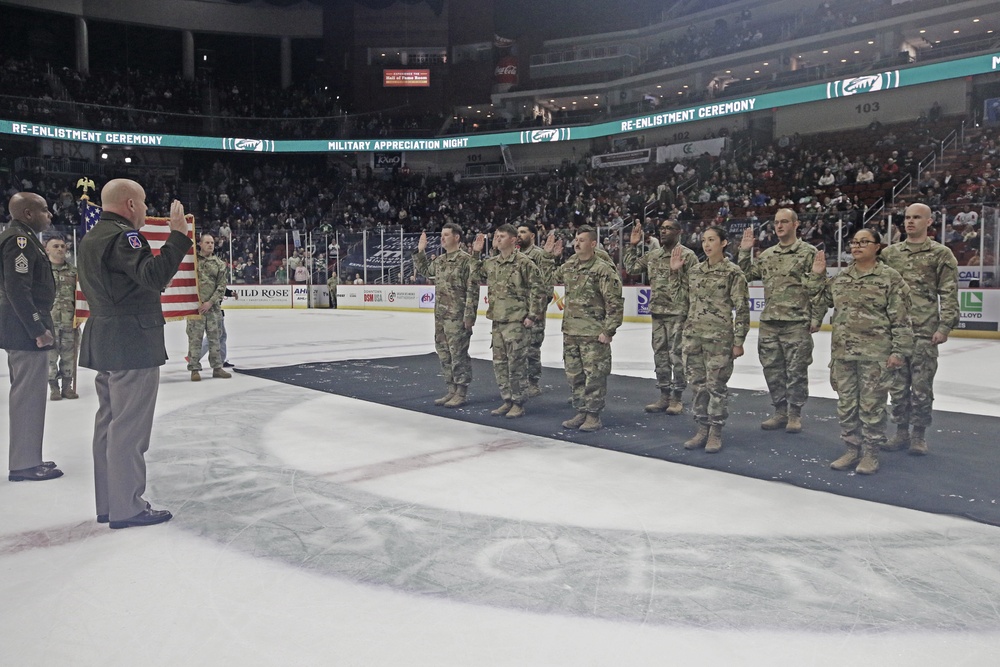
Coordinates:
column 313, row 529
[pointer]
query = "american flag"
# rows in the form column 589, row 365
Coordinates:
column 180, row 299
column 89, row 215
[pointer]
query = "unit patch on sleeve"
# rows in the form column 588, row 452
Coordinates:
column 133, row 239
column 22, row 242
column 21, row 263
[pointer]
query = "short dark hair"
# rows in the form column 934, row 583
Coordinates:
column 529, row 226
column 507, row 229
column 587, row 229
column 456, row 229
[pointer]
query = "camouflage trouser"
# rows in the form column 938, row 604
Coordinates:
column 785, row 351
column 709, row 365
column 912, row 387
column 510, row 349
column 451, row 341
column 62, row 356
column 862, row 388
column 536, row 335
column 588, row 364
column 207, row 326
column 668, row 356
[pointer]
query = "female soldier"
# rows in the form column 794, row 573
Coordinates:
column 871, row 337
column 713, row 338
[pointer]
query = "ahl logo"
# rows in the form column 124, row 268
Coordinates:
column 972, row 302
column 862, row 84
column 252, row 145
column 543, row 136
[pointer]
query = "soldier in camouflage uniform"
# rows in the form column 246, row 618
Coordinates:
column 456, row 300
column 717, row 323
column 62, row 356
column 526, row 234
column 212, row 278
column 667, row 315
column 784, row 342
column 594, row 311
column 931, row 272
column 514, row 294
column 871, row 339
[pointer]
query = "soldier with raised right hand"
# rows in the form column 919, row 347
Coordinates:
column 456, row 301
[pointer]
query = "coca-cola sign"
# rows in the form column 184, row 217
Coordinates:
column 505, row 71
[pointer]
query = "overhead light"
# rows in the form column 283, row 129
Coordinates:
column 729, row 71
column 756, row 71
column 584, row 97
column 659, row 86
column 596, row 104
column 685, row 85
column 975, row 20
column 765, row 64
column 574, row 101
column 748, row 78
column 922, row 31
column 469, row 107
column 104, row 155
column 551, row 100
column 128, row 159
column 937, row 41
column 871, row 41
column 843, row 60
column 826, row 52
column 564, row 108
column 856, row 52
column 955, row 32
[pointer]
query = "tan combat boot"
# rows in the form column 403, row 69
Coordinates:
column 503, row 409
column 918, row 443
column 676, row 406
column 458, row 400
column 778, row 420
column 901, row 440
column 714, row 442
column 699, row 439
column 661, row 404
column 532, row 391
column 516, row 410
column 447, row 397
column 794, row 424
column 54, row 394
column 195, row 376
column 850, row 457
column 221, row 373
column 575, row 422
column 868, row 465
column 67, row 389
column 592, row 423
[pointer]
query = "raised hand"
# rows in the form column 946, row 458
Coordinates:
column 178, row 223
column 636, row 237
column 676, row 258
column 422, row 243
column 550, row 242
column 479, row 243
column 746, row 243
column 819, row 263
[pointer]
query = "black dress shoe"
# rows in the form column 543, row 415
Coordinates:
column 103, row 518
column 147, row 517
column 49, row 464
column 39, row 473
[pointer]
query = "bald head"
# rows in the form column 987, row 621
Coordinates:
column 916, row 220
column 31, row 209
column 126, row 198
column 786, row 222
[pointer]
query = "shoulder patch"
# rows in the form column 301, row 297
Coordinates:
column 133, row 239
column 22, row 242
column 21, row 264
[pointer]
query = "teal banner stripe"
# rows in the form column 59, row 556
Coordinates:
column 868, row 83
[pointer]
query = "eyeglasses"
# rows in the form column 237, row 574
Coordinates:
column 861, row 244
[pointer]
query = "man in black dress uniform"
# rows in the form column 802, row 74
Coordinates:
column 123, row 342
column 27, row 291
